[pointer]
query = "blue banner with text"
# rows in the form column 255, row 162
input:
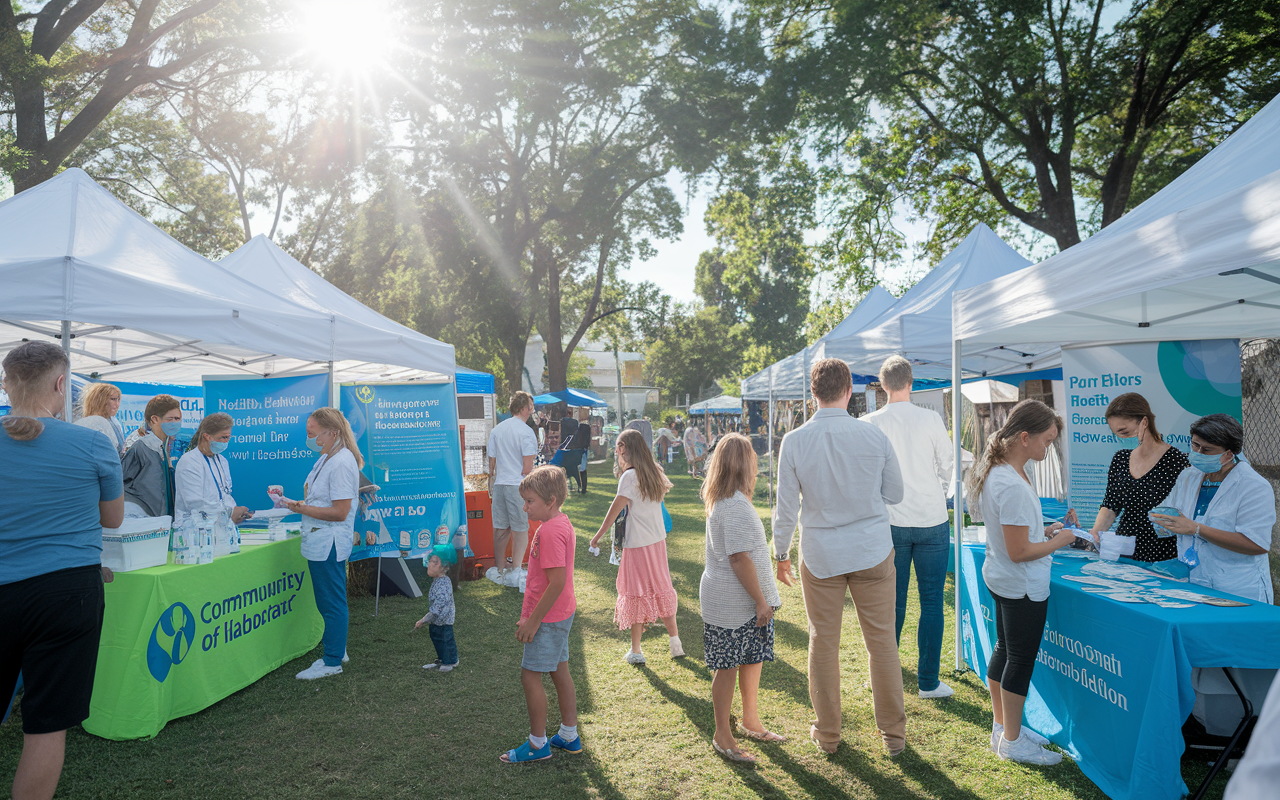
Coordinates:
column 269, row 441
column 408, row 433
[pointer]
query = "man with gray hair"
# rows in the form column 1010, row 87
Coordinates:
column 919, row 523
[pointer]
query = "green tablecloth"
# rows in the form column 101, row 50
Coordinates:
column 177, row 639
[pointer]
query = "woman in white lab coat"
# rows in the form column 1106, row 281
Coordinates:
column 1226, row 512
column 202, row 478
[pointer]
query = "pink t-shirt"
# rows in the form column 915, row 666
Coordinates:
column 552, row 547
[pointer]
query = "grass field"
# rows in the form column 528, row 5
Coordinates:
column 385, row 728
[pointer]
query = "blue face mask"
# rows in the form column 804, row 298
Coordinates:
column 171, row 428
column 1128, row 442
column 1207, row 464
column 217, row 448
column 313, row 444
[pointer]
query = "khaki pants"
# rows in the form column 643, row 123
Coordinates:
column 873, row 592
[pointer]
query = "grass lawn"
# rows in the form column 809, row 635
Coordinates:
column 385, row 728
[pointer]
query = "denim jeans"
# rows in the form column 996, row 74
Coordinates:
column 446, row 647
column 927, row 548
column 329, row 582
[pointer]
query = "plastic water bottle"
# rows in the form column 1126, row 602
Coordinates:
column 204, row 538
column 233, row 533
column 180, row 540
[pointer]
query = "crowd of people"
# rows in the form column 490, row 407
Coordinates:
column 868, row 495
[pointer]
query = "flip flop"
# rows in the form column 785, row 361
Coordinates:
column 762, row 736
column 525, row 752
column 733, row 754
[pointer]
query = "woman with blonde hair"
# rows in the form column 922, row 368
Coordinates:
column 99, row 403
column 738, row 594
column 645, row 591
column 1016, row 570
column 328, row 525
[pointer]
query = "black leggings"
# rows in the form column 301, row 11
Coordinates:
column 1019, row 626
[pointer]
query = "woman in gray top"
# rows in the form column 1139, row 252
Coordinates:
column 738, row 594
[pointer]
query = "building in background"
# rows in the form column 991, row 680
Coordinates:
column 604, row 373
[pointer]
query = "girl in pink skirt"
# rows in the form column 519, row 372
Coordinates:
column 645, row 593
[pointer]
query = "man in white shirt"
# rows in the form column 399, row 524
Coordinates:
column 920, row 526
column 848, row 474
column 512, row 447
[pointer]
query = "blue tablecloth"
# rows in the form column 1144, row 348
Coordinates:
column 1112, row 686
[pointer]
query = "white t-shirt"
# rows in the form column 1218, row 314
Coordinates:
column 509, row 442
column 644, row 517
column 334, row 477
column 201, row 481
column 1007, row 499
column 925, row 456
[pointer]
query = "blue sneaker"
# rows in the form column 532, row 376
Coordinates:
column 571, row 747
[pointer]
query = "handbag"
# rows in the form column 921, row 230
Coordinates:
column 620, row 530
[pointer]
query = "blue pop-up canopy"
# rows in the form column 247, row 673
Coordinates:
column 572, row 397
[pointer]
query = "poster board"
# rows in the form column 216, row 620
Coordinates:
column 408, row 433
column 269, row 441
column 1181, row 380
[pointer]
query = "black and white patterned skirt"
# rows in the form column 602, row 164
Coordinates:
column 729, row 648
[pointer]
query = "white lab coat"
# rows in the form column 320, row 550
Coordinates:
column 1245, row 504
column 201, row 481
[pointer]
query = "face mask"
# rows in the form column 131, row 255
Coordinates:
column 1128, row 442
column 313, row 444
column 171, row 428
column 218, row 448
column 1205, row 463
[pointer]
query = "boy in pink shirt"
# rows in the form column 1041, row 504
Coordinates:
column 547, row 617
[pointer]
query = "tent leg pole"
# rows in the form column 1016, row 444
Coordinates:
column 66, row 351
column 377, row 592
column 956, row 406
column 770, row 442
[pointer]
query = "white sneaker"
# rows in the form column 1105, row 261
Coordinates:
column 494, row 574
column 633, row 658
column 1025, row 751
column 448, row 667
column 345, row 657
column 436, row 665
column 511, row 578
column 997, row 731
column 677, row 647
column 318, row 670
column 939, row 693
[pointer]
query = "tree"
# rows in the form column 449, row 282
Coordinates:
column 554, row 125
column 977, row 110
column 760, row 270
column 700, row 347
column 67, row 65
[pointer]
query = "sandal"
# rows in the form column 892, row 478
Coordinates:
column 762, row 736
column 733, row 754
column 525, row 752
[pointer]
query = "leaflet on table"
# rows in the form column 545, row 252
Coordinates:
column 412, row 497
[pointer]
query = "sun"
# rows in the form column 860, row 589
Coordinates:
column 347, row 37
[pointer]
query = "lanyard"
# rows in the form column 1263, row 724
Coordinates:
column 217, row 483
column 317, row 469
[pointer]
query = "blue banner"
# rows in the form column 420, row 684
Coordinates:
column 269, row 441
column 408, row 433
column 135, row 396
column 1112, row 681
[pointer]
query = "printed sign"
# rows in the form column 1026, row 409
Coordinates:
column 1182, row 381
column 408, row 433
column 269, row 441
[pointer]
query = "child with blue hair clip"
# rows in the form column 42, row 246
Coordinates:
column 440, row 611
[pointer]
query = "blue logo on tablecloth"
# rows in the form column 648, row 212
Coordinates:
column 171, row 640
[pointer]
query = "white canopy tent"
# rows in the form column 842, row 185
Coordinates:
column 720, row 404
column 129, row 302
column 919, row 325
column 1198, row 260
column 790, row 375
column 401, row 353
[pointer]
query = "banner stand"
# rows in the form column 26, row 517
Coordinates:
column 377, row 592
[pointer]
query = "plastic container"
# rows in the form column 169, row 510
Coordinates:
column 1167, row 511
column 137, row 544
column 1114, row 545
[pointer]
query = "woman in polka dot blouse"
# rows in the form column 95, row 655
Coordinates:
column 1142, row 474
